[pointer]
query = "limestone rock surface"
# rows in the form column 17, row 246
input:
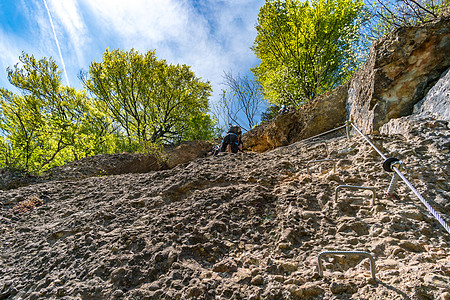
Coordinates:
column 408, row 65
column 251, row 225
column 236, row 226
column 112, row 164
column 320, row 114
column 437, row 101
column 186, row 152
column 401, row 68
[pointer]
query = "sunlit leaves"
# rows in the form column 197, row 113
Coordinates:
column 140, row 101
column 149, row 99
column 306, row 48
column 47, row 124
column 388, row 15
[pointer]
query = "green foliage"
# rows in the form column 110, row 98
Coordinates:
column 150, row 100
column 271, row 112
column 141, row 102
column 48, row 123
column 154, row 150
column 306, row 48
column 199, row 127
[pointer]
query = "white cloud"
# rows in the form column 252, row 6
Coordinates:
column 212, row 36
column 68, row 15
column 154, row 20
column 10, row 56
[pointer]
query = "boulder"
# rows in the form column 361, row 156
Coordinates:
column 271, row 134
column 187, row 152
column 323, row 113
column 401, row 68
column 437, row 102
column 410, row 126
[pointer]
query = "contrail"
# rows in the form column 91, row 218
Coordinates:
column 57, row 42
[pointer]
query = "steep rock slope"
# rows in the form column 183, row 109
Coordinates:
column 244, row 226
column 402, row 66
column 405, row 69
column 111, row 164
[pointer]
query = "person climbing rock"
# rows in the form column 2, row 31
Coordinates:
column 232, row 142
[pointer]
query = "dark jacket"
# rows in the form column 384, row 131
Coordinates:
column 233, row 140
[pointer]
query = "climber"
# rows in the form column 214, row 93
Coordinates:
column 232, row 142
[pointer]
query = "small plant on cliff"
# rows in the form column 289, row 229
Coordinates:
column 156, row 151
column 388, row 15
column 28, row 204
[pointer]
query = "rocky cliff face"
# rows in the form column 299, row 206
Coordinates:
column 407, row 68
column 437, row 102
column 401, row 68
column 245, row 226
column 320, row 114
column 434, row 106
column 113, row 164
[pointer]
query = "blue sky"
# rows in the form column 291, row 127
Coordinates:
column 210, row 36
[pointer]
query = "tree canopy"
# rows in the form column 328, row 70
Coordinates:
column 139, row 102
column 47, row 124
column 149, row 99
column 388, row 15
column 306, row 48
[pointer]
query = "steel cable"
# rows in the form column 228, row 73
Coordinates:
column 427, row 205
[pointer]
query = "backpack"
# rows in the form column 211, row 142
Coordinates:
column 235, row 129
column 231, row 139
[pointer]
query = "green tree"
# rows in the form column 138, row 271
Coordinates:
column 150, row 100
column 48, row 123
column 306, row 48
column 270, row 113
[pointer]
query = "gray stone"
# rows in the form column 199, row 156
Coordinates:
column 400, row 69
column 437, row 101
column 257, row 280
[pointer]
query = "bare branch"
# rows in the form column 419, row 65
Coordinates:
column 242, row 101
